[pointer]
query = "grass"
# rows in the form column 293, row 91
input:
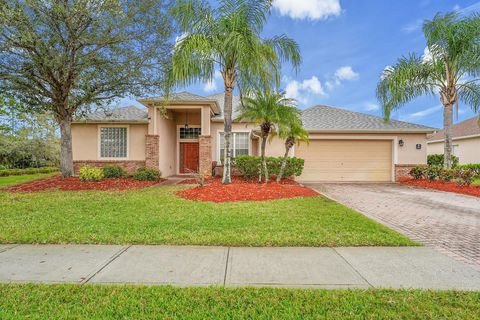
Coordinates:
column 156, row 216
column 138, row 302
column 14, row 180
column 476, row 181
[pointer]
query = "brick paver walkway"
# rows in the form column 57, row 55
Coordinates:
column 446, row 221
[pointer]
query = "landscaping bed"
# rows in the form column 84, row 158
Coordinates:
column 34, row 301
column 451, row 186
column 244, row 190
column 75, row 184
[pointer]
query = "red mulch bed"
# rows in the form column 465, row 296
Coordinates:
column 472, row 190
column 74, row 184
column 244, row 190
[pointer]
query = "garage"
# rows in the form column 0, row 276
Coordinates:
column 346, row 160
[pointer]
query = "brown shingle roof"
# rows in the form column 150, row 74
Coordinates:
column 465, row 128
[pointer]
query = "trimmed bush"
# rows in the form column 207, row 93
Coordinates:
column 146, row 174
column 438, row 160
column 19, row 172
column 417, row 172
column 91, row 174
column 432, row 173
column 475, row 167
column 249, row 166
column 114, row 172
column 446, row 174
column 464, row 177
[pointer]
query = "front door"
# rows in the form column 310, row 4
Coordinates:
column 189, row 157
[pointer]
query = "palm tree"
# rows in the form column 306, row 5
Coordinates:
column 293, row 133
column 269, row 109
column 450, row 68
column 228, row 38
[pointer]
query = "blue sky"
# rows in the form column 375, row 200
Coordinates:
column 346, row 44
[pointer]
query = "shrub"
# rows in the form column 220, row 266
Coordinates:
column 464, row 176
column 446, row 174
column 475, row 167
column 249, row 166
column 113, row 172
column 432, row 173
column 146, row 174
column 89, row 173
column 417, row 172
column 438, row 160
column 18, row 172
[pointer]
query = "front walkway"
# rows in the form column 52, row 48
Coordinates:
column 446, row 221
column 378, row 267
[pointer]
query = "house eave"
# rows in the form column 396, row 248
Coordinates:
column 373, row 131
column 110, row 121
column 159, row 102
column 456, row 138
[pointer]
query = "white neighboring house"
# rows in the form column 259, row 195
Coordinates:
column 466, row 141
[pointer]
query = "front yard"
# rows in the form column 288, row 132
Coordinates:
column 156, row 215
column 14, row 180
column 138, row 302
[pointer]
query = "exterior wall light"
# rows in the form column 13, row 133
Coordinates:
column 400, row 142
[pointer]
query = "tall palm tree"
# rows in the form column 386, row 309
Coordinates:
column 227, row 37
column 270, row 110
column 450, row 68
column 293, row 132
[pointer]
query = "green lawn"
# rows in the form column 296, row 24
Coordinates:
column 139, row 302
column 156, row 216
column 476, row 181
column 13, row 180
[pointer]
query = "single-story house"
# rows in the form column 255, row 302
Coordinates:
column 185, row 135
column 466, row 141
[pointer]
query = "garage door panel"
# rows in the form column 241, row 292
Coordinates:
column 346, row 160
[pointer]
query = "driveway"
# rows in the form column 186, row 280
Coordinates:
column 446, row 221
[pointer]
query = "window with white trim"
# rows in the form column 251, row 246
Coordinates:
column 238, row 144
column 190, row 133
column 113, row 142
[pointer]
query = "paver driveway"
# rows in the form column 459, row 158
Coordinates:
column 448, row 222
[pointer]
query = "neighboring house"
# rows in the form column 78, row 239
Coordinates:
column 466, row 141
column 185, row 135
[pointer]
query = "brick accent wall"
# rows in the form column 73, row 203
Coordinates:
column 152, row 151
column 128, row 165
column 402, row 170
column 205, row 154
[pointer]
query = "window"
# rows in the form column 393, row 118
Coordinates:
column 239, row 144
column 113, row 142
column 190, row 133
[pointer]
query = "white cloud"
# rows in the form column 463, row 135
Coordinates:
column 370, row 106
column 413, row 26
column 302, row 91
column 308, row 9
column 344, row 73
column 422, row 113
column 211, row 85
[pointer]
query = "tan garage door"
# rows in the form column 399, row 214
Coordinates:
column 346, row 160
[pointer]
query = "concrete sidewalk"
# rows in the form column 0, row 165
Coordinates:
column 378, row 267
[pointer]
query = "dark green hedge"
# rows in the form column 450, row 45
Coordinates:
column 249, row 166
column 437, row 160
column 19, row 172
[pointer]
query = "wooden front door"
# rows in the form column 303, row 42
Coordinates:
column 189, row 157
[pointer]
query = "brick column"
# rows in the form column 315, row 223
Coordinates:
column 152, row 151
column 205, row 154
column 402, row 171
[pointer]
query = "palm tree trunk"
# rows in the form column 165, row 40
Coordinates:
column 447, row 127
column 66, row 155
column 264, row 161
column 284, row 164
column 227, row 111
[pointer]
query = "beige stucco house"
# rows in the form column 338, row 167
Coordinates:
column 466, row 141
column 186, row 135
